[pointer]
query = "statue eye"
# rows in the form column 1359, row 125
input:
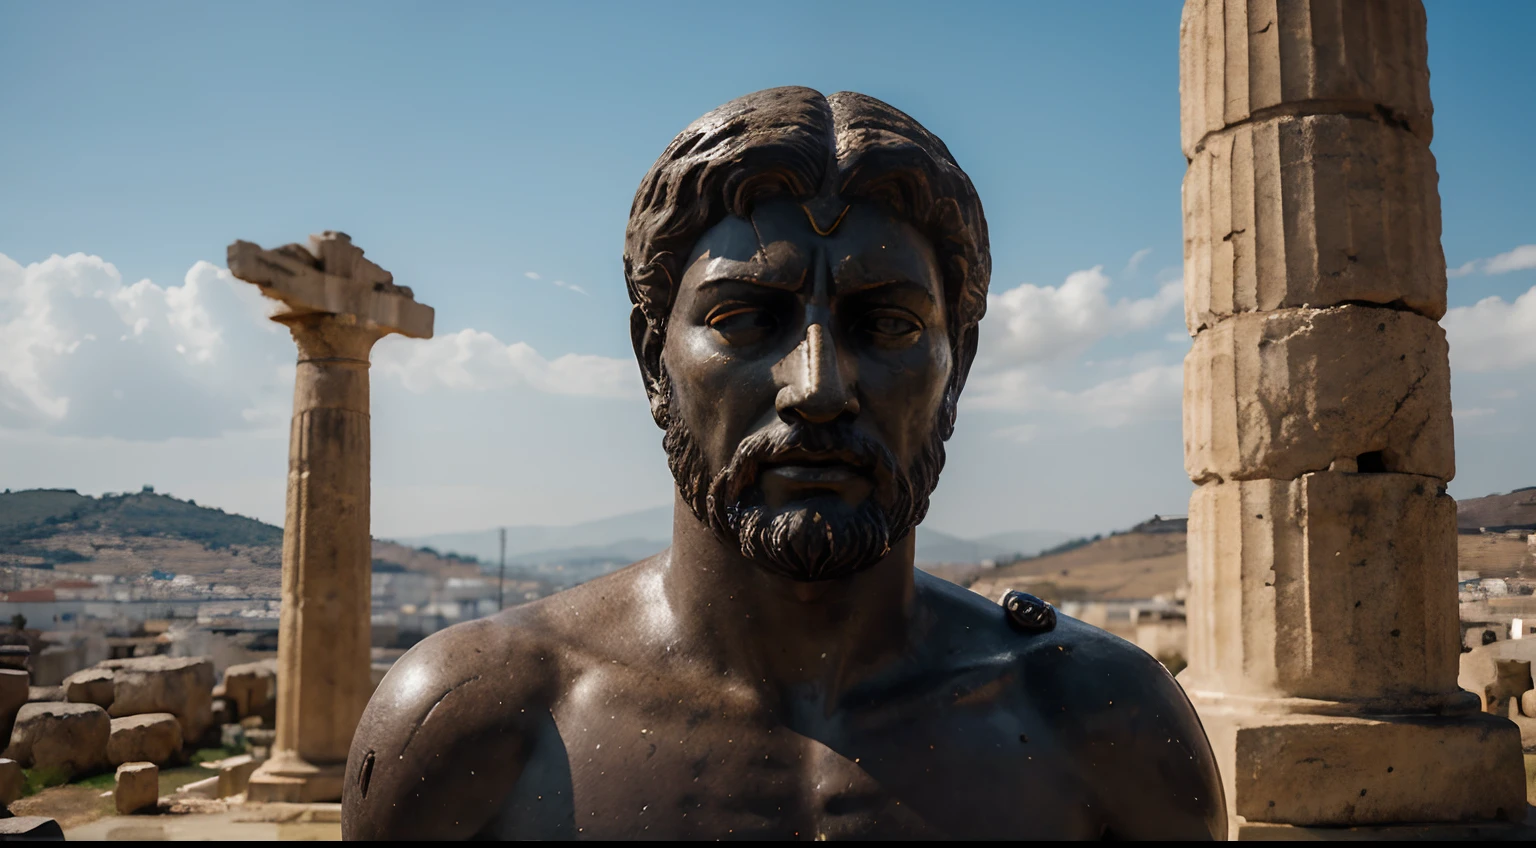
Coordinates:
column 742, row 325
column 891, row 326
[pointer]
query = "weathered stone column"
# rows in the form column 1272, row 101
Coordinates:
column 337, row 304
column 1317, row 423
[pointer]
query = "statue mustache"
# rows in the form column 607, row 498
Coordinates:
column 839, row 441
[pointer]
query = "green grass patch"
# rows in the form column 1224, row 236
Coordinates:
column 105, row 780
column 171, row 779
column 36, row 780
column 208, row 755
column 175, row 778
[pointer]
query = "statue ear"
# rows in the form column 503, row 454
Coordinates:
column 648, row 342
column 965, row 355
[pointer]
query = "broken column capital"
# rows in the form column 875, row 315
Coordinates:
column 330, row 276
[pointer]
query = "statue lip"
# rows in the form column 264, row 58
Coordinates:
column 813, row 467
column 800, row 458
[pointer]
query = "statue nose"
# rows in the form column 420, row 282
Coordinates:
column 816, row 388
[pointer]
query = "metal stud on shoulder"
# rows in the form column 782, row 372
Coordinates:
column 1028, row 613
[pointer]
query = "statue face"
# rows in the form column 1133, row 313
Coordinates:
column 807, row 371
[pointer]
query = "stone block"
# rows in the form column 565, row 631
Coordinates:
column 16, row 657
column 1242, row 57
column 1318, row 210
column 1350, row 771
column 12, row 782
column 1505, row 693
column 30, row 829
column 251, row 687
column 1280, row 394
column 151, row 737
column 181, row 686
column 138, row 787
column 61, row 737
column 14, row 692
column 44, row 694
column 221, row 712
column 260, row 736
column 235, row 774
column 1335, row 586
column 285, row 779
column 90, row 686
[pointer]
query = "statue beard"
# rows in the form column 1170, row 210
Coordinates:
column 816, row 538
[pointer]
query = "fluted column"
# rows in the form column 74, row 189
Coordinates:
column 1317, row 423
column 337, row 305
column 323, row 648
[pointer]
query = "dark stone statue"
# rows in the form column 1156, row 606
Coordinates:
column 808, row 274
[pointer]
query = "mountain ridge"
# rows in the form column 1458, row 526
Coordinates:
column 635, row 535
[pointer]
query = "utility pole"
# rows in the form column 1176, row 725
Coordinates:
column 501, row 576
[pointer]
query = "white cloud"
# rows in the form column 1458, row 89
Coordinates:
column 561, row 284
column 1032, row 359
column 477, row 361
column 1153, row 391
column 1493, row 334
column 1135, row 260
column 1021, row 433
column 1520, row 259
column 1474, row 412
column 1035, row 324
column 82, row 353
column 564, row 285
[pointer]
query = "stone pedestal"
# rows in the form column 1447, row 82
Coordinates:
column 338, row 305
column 1317, row 422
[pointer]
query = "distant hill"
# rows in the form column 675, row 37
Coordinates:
column 628, row 537
column 636, row 535
column 1124, row 565
column 28, row 518
column 1152, row 558
column 1513, row 511
column 139, row 532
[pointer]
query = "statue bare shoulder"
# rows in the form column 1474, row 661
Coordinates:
column 1137, row 739
column 449, row 731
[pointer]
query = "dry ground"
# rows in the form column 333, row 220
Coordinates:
column 1143, row 565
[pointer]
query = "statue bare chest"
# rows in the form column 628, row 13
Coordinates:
column 632, row 762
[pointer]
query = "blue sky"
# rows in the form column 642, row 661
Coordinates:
column 470, row 146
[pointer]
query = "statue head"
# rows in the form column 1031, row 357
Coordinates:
column 807, row 274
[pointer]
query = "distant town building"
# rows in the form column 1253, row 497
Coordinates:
column 1163, row 524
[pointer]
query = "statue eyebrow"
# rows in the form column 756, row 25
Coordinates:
column 722, row 270
column 858, row 285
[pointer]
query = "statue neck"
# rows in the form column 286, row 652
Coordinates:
column 780, row 633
